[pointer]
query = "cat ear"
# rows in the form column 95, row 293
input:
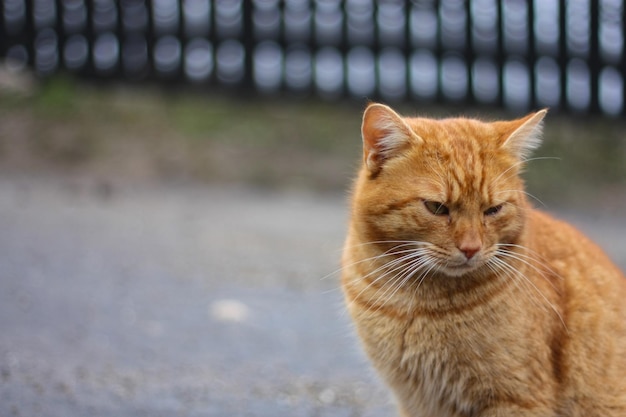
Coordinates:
column 384, row 134
column 526, row 136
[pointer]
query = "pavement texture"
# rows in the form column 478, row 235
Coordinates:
column 185, row 301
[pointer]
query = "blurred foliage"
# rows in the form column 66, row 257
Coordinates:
column 124, row 133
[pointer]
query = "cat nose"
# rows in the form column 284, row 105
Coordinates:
column 470, row 246
column 469, row 243
column 469, row 252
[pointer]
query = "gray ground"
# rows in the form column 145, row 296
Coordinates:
column 184, row 301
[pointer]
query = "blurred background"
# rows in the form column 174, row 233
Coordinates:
column 517, row 54
column 173, row 181
column 278, row 85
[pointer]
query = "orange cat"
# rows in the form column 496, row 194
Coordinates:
column 468, row 301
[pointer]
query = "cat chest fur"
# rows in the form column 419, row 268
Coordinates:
column 453, row 365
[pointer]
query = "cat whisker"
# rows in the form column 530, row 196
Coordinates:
column 500, row 266
column 432, row 263
column 404, row 243
column 399, row 263
column 400, row 280
column 524, row 192
column 498, row 269
column 409, row 254
column 541, row 268
column 388, row 268
column 390, row 252
column 518, row 163
column 520, row 281
column 535, row 256
column 403, row 270
column 517, row 274
column 429, row 263
column 383, row 242
column 522, row 162
column 540, row 272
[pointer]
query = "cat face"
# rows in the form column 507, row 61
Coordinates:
column 446, row 192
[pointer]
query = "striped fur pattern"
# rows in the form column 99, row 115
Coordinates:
column 468, row 301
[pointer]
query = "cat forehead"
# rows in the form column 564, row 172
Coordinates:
column 453, row 130
column 461, row 143
column 461, row 157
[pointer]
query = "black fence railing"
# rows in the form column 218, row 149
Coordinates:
column 567, row 55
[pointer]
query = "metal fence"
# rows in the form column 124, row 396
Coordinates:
column 520, row 54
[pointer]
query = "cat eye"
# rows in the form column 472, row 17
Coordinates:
column 437, row 208
column 493, row 210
